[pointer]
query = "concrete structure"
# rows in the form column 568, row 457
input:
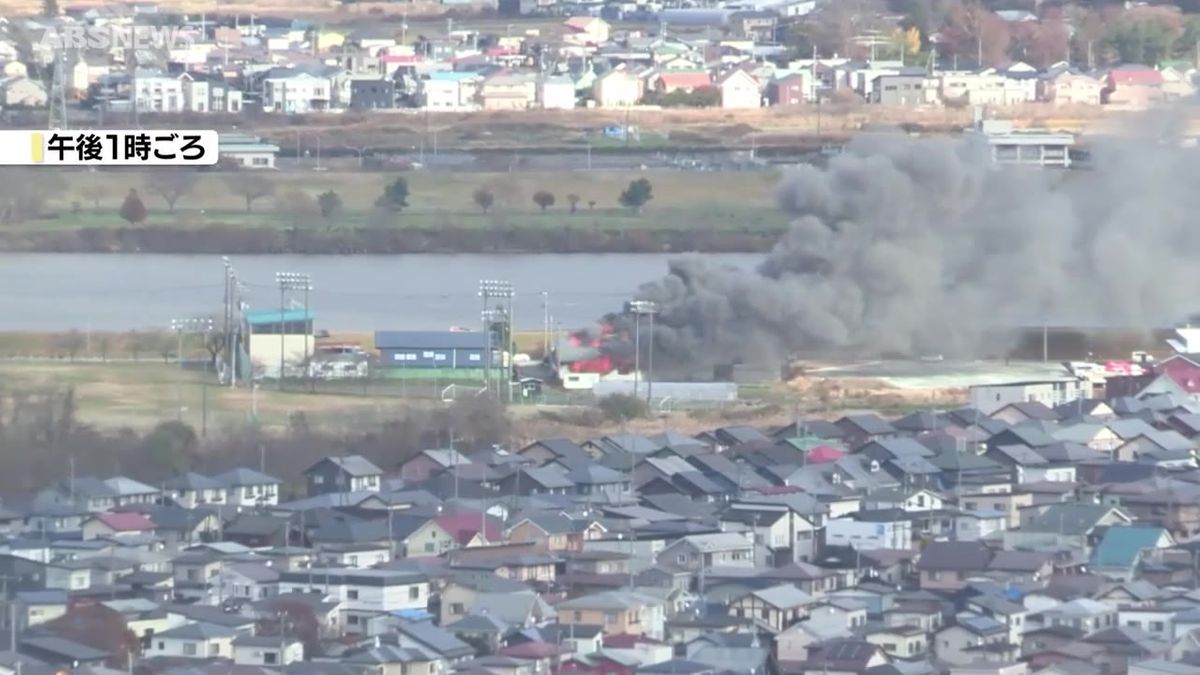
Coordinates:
column 1034, row 148
column 279, row 340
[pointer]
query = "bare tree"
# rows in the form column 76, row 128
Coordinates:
column 71, row 343
column 250, row 186
column 171, row 184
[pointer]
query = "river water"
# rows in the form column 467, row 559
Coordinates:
column 350, row 293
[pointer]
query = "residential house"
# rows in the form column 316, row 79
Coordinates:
column 191, row 490
column 194, row 641
column 702, row 551
column 507, row 90
column 126, row 524
column 869, row 530
column 266, row 650
column 1122, row 547
column 777, row 607
column 586, row 30
column 947, row 565
column 352, row 473
column 451, row 90
column 618, row 88
column 794, row 88
column 1060, row 85
column 555, row 531
column 739, row 90
column 362, row 594
column 914, row 87
column 296, row 91
column 1134, row 87
column 858, row 430
column 630, row 612
column 247, row 487
column 686, row 81
column 555, row 93
column 961, row 643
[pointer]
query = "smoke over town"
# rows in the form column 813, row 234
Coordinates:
column 923, row 247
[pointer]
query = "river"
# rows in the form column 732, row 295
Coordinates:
column 350, row 293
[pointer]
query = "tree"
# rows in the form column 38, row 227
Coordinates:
column 171, row 184
column 71, row 343
column 300, row 207
column 330, row 205
column 24, row 193
column 544, row 199
column 395, row 195
column 133, row 211
column 573, row 202
column 250, row 186
column 92, row 192
column 637, row 195
column 483, row 198
column 103, row 346
column 973, row 32
column 622, row 407
column 170, row 447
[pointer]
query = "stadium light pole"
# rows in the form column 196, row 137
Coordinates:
column 181, row 326
column 291, row 281
column 641, row 308
column 503, row 290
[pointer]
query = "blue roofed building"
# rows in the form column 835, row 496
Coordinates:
column 279, row 340
column 1122, row 547
column 426, row 353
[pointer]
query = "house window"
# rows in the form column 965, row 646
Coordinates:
column 414, row 592
column 352, row 595
column 610, row 618
column 578, row 616
column 352, row 620
column 270, row 658
column 189, row 649
column 456, row 608
column 1156, row 626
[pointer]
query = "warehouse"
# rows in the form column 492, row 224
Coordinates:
column 424, row 350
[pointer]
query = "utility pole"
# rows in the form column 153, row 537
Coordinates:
column 639, row 308
column 545, row 323
column 504, row 290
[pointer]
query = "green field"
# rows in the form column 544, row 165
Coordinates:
column 682, row 200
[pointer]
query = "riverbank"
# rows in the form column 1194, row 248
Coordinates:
column 239, row 240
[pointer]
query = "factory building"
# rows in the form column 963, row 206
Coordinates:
column 415, row 351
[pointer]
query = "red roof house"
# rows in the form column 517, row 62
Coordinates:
column 1133, row 86
column 684, row 80
column 823, row 454
column 116, row 524
column 463, row 527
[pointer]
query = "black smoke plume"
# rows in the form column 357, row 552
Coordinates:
column 921, row 247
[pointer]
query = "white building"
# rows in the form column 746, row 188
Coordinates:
column 267, row 650
column 988, row 398
column 556, row 93
column 158, row 92
column 868, row 535
column 195, row 641
column 361, row 593
column 295, row 92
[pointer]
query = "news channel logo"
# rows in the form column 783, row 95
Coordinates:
column 110, row 36
column 125, row 147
